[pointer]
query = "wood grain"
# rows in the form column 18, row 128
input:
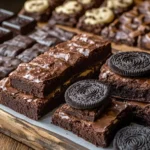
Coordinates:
column 33, row 136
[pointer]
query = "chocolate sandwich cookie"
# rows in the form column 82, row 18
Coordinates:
column 87, row 94
column 130, row 64
column 95, row 19
column 134, row 137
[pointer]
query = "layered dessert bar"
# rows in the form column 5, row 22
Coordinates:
column 128, row 74
column 5, row 15
column 20, row 24
column 40, row 10
column 34, row 107
column 5, row 35
column 54, row 67
column 83, row 98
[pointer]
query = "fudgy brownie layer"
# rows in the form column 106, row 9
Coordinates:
column 46, row 72
column 87, row 115
column 99, row 132
column 34, row 107
column 134, row 89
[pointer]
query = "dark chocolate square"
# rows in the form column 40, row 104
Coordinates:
column 20, row 24
column 44, row 38
column 21, row 41
column 5, row 14
column 5, row 35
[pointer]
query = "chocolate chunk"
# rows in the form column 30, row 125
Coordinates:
column 21, row 41
column 31, row 53
column 134, row 137
column 87, row 94
column 20, row 24
column 5, row 35
column 130, row 64
column 5, row 15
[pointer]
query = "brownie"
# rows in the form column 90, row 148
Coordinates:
column 7, row 65
column 129, row 28
column 40, row 10
column 41, row 75
column 136, row 89
column 5, row 15
column 10, row 50
column 59, row 33
column 100, row 132
column 21, row 41
column 43, row 37
column 20, row 24
column 5, row 35
column 34, row 107
column 31, row 53
column 95, row 20
column 67, row 14
column 141, row 112
column 87, row 115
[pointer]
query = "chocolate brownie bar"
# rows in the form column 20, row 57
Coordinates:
column 5, row 35
column 7, row 65
column 30, row 53
column 128, row 28
column 59, row 33
column 40, row 10
column 141, row 112
column 130, row 88
column 34, row 107
column 94, row 20
column 44, row 38
column 5, row 15
column 20, row 24
column 67, row 14
column 100, row 132
column 41, row 75
column 21, row 41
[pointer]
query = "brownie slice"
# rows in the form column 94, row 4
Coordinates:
column 87, row 115
column 136, row 89
column 43, row 74
column 34, row 107
column 100, row 132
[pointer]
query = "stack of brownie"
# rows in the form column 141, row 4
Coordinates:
column 128, row 74
column 132, row 28
column 91, row 113
column 96, row 110
column 35, row 88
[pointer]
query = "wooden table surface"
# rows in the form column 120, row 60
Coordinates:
column 7, row 143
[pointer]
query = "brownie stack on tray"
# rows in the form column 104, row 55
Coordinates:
column 91, row 113
column 128, row 74
column 35, row 88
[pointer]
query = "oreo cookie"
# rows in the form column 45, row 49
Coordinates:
column 87, row 94
column 130, row 64
column 134, row 137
